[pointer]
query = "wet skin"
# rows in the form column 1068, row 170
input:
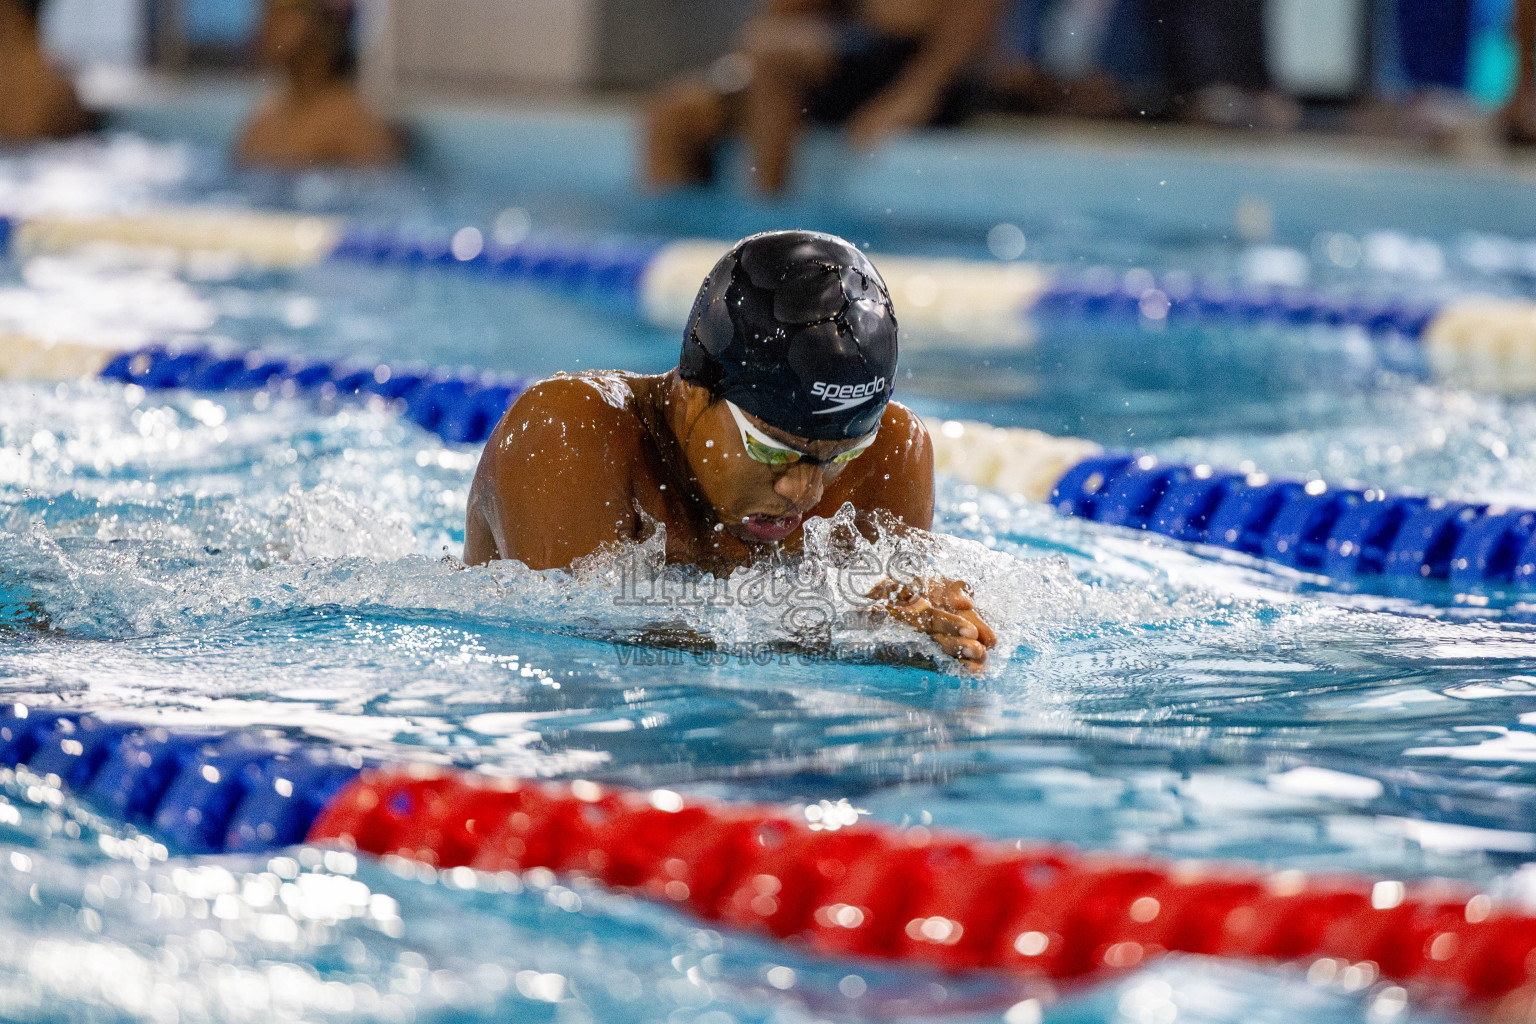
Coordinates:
column 585, row 461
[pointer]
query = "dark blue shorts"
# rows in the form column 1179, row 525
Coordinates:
column 866, row 64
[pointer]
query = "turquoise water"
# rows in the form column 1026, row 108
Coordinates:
column 272, row 562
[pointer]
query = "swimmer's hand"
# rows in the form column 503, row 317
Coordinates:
column 944, row 610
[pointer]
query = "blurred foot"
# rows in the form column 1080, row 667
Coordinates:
column 1020, row 89
column 1230, row 107
column 1446, row 119
column 1094, row 95
column 1519, row 120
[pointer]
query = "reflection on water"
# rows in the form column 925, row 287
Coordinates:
column 270, row 561
column 171, row 558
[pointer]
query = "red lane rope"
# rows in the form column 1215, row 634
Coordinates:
column 944, row 900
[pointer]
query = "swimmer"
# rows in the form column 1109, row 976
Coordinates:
column 778, row 410
column 318, row 117
column 36, row 101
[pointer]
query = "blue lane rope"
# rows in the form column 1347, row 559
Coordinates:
column 1345, row 534
column 613, row 267
column 1106, row 296
column 599, row 266
column 199, row 791
column 459, row 407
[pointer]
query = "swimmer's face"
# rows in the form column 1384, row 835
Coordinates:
column 758, row 501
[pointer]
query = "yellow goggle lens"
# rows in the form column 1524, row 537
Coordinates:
column 770, row 456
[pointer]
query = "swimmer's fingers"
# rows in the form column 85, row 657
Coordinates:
column 943, row 623
column 958, row 629
column 969, row 653
column 954, row 595
column 911, row 612
column 936, row 622
column 984, row 632
column 960, row 636
column 1519, row 1007
column 951, row 595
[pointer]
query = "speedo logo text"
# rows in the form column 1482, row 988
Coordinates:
column 846, row 396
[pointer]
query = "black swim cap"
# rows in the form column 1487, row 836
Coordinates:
column 796, row 328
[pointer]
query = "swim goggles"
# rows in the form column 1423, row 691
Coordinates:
column 762, row 448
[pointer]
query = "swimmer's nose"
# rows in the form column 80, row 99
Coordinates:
column 800, row 485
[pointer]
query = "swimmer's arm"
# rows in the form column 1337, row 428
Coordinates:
column 554, row 481
column 958, row 36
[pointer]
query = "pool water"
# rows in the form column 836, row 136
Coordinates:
column 271, row 561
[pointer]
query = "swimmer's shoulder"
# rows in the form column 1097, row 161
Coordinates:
column 896, row 473
column 558, row 477
column 587, row 414
column 358, row 134
column 903, row 439
column 605, row 396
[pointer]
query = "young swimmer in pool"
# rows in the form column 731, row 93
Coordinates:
column 778, row 410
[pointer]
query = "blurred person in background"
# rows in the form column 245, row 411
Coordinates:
column 1214, row 63
column 1064, row 57
column 317, row 117
column 36, row 101
column 876, row 67
column 1434, row 45
column 1519, row 113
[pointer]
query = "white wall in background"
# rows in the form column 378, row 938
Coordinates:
column 486, row 44
column 1316, row 47
column 537, row 42
column 91, row 33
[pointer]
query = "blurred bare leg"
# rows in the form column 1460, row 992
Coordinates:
column 683, row 125
column 789, row 56
column 773, row 121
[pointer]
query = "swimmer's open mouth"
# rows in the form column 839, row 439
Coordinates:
column 770, row 529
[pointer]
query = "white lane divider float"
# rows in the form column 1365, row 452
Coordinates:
column 1482, row 342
